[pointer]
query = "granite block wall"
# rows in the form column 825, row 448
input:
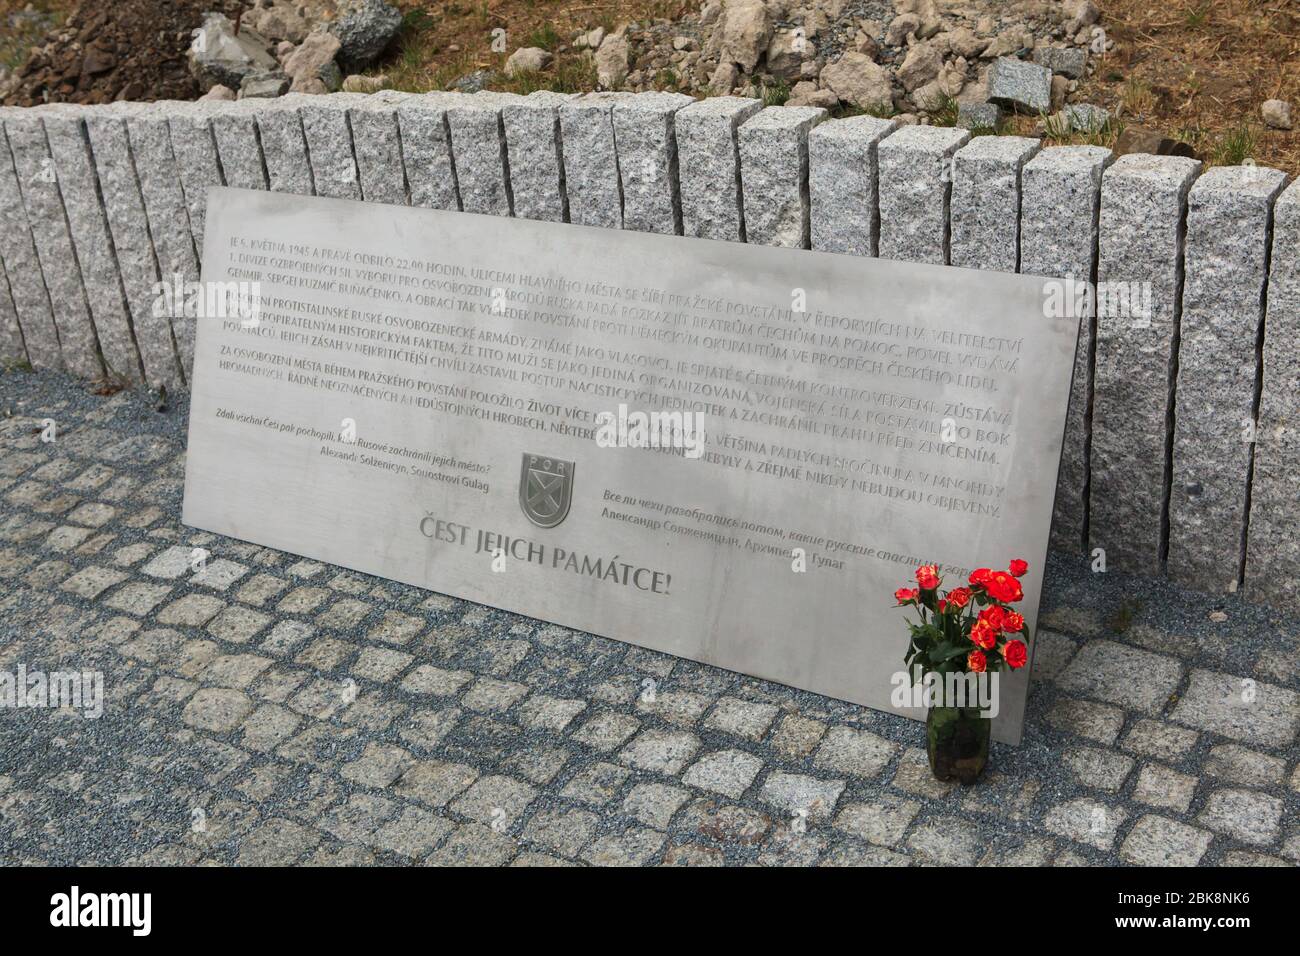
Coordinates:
column 1182, row 442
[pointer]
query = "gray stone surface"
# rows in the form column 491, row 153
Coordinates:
column 478, row 149
column 266, row 85
column 774, row 174
column 708, row 160
column 1021, row 86
column 1137, row 680
column 591, row 174
column 915, row 188
column 70, row 149
column 426, row 151
column 978, row 115
column 985, row 203
column 1230, row 211
column 533, row 145
column 23, row 270
column 1059, row 203
column 12, row 349
column 377, row 143
column 329, row 144
column 195, row 150
column 647, row 161
column 1066, row 60
column 129, row 225
column 1142, row 202
column 169, row 223
column 1086, row 118
column 1241, row 708
column 364, row 28
column 284, row 146
column 1244, row 815
column 229, row 716
column 234, row 127
column 1272, row 546
column 843, row 179
column 39, row 184
column 1157, row 841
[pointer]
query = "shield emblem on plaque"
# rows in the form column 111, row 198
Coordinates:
column 545, row 489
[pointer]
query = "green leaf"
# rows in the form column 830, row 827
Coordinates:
column 948, row 650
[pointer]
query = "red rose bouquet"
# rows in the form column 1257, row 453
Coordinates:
column 972, row 628
column 962, row 635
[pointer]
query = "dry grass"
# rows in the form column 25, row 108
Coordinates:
column 1198, row 70
column 16, row 41
column 442, row 40
column 1195, row 69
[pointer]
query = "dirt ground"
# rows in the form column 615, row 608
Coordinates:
column 1196, row 70
column 106, row 50
column 446, row 39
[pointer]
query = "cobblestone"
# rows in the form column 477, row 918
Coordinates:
column 322, row 717
column 1155, row 841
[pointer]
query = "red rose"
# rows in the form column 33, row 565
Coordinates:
column 982, row 633
column 927, row 575
column 1018, row 567
column 1014, row 653
column 979, row 577
column 959, row 597
column 975, row 661
column 903, row 595
column 1005, row 588
column 995, row 616
column 1013, row 622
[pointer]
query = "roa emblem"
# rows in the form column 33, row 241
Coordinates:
column 545, row 489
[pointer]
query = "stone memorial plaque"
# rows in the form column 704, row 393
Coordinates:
column 453, row 400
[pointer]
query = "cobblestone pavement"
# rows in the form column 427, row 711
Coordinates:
column 273, row 710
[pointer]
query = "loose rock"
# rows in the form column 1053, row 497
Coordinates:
column 264, row 85
column 364, row 28
column 746, row 31
column 218, row 56
column 858, row 80
column 1065, row 61
column 1021, row 86
column 612, row 60
column 529, row 59
column 1276, row 114
column 311, row 66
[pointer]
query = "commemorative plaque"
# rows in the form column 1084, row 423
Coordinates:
column 725, row 452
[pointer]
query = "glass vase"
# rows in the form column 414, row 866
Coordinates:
column 957, row 740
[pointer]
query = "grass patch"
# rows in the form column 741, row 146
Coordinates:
column 20, row 30
column 1234, row 147
column 1057, row 127
column 569, row 74
column 946, row 113
column 1198, row 16
column 880, row 110
column 776, row 94
column 545, row 37
column 1136, row 98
